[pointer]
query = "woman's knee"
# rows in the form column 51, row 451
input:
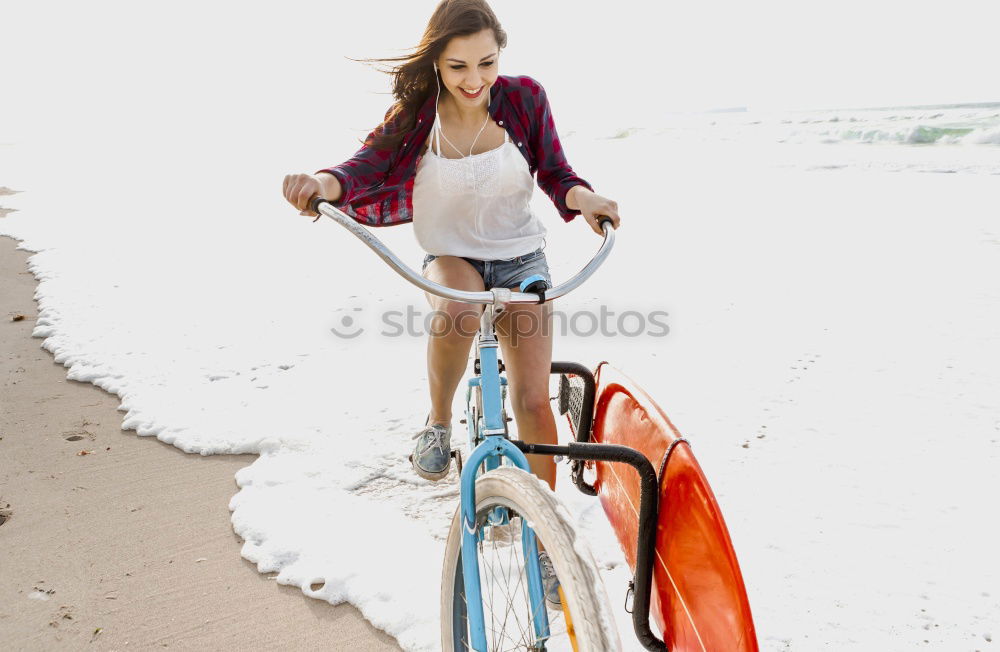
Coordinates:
column 532, row 403
column 455, row 320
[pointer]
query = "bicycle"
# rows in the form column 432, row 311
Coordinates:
column 505, row 511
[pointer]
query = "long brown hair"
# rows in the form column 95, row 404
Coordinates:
column 414, row 79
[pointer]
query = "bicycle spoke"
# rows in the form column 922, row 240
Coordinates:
column 527, row 598
column 492, row 574
column 502, row 568
column 510, row 600
column 499, row 574
column 505, row 574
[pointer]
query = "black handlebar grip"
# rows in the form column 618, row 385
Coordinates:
column 315, row 202
column 604, row 218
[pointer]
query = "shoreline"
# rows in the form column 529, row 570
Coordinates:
column 116, row 542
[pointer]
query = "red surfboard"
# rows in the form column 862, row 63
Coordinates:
column 698, row 599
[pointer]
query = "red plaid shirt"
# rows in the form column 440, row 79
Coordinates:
column 378, row 185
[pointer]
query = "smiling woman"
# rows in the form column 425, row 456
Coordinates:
column 457, row 155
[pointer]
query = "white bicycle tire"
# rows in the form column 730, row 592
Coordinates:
column 583, row 589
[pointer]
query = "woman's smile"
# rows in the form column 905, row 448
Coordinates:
column 472, row 95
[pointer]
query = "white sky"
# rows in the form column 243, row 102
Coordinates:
column 115, row 63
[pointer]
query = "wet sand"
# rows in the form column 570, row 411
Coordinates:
column 113, row 541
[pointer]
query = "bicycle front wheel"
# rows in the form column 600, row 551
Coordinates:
column 583, row 624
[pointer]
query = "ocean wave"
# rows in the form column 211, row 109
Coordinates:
column 924, row 135
column 919, row 134
column 945, row 127
column 989, row 136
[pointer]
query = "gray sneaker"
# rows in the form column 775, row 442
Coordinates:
column 431, row 457
column 550, row 583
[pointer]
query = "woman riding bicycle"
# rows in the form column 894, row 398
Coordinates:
column 455, row 155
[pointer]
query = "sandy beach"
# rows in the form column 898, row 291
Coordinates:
column 111, row 541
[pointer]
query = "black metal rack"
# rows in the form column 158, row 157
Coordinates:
column 580, row 405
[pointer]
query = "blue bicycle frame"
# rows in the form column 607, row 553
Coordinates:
column 490, row 446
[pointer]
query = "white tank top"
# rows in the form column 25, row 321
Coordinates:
column 477, row 206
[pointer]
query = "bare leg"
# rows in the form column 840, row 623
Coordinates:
column 525, row 334
column 453, row 330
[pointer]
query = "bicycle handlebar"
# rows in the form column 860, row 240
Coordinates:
column 324, row 207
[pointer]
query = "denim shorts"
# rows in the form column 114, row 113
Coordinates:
column 507, row 273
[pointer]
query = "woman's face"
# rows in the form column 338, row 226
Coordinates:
column 468, row 67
